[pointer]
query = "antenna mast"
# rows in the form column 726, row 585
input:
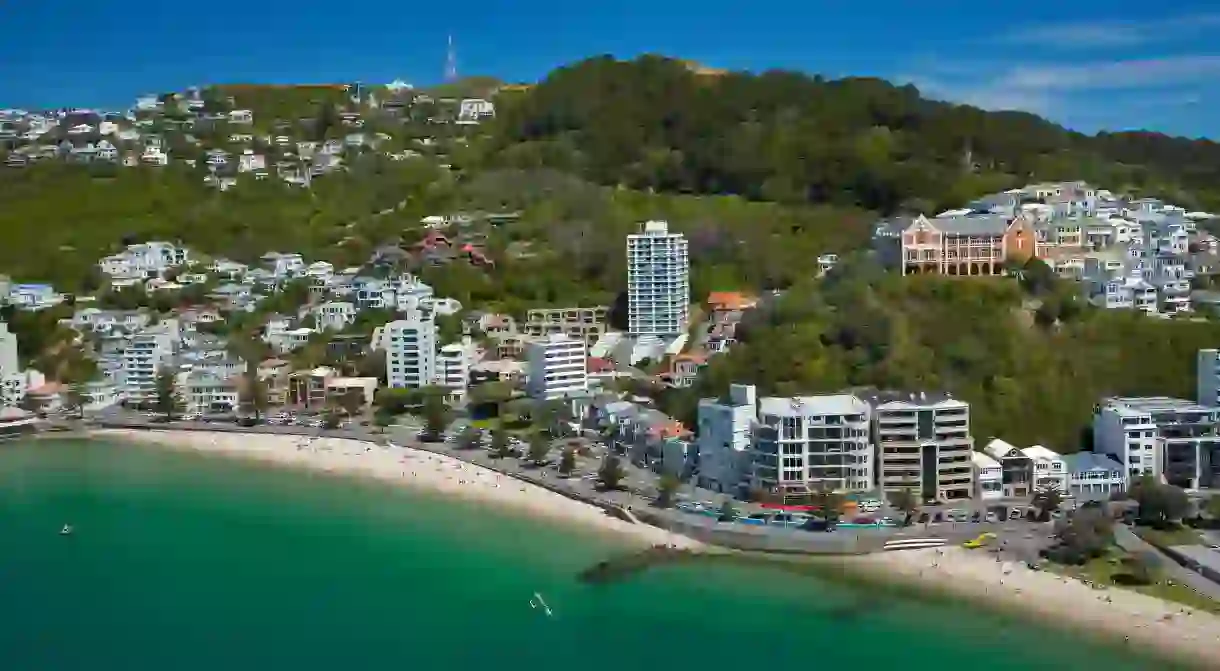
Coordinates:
column 451, row 72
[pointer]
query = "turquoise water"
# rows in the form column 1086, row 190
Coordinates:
column 186, row 562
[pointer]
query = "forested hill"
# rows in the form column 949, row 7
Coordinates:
column 658, row 123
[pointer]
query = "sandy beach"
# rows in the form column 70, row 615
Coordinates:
column 1176, row 630
column 405, row 466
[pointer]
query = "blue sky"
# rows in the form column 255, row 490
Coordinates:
column 1083, row 64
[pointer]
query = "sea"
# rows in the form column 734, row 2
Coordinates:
column 180, row 561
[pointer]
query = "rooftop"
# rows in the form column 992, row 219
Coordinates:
column 835, row 404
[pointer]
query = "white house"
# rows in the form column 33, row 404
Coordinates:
column 1173, row 439
column 988, row 477
column 241, row 117
column 334, row 315
column 1093, row 476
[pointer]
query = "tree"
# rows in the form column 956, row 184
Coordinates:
column 828, row 502
column 611, row 474
column 352, row 401
column 166, row 396
column 330, row 419
column 567, row 461
column 727, row 512
column 468, row 439
column 499, row 443
column 436, row 416
column 1160, row 505
column 667, row 487
column 1085, row 535
column 1212, row 507
column 1047, row 500
column 75, row 401
column 905, row 501
column 252, row 392
column 540, row 447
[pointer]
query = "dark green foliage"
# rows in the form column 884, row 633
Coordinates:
column 653, row 123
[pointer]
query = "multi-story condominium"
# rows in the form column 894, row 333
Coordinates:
column 726, row 430
column 1170, row 438
column 587, row 324
column 658, row 281
column 956, row 245
column 808, row 443
column 988, row 477
column 410, row 345
column 557, row 367
column 1093, row 476
column 923, row 444
column 453, row 363
column 146, row 353
column 1025, row 471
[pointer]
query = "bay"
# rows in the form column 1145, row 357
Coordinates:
column 184, row 561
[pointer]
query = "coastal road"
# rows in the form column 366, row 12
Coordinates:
column 1127, row 540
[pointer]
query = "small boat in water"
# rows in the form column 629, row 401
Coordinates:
column 66, row 531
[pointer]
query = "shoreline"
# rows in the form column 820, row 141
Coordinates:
column 405, row 467
column 1160, row 628
column 1173, row 631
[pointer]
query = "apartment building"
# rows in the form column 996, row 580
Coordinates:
column 726, row 432
column 202, row 392
column 453, row 363
column 658, row 281
column 586, row 324
column 1171, row 438
column 556, row 367
column 804, row 444
column 975, row 244
column 143, row 357
column 410, row 345
column 923, row 443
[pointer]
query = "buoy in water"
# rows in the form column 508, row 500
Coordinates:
column 66, row 531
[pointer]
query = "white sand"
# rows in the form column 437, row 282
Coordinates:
column 1172, row 628
column 402, row 465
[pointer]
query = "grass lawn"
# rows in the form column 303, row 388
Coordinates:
column 1102, row 570
column 1170, row 537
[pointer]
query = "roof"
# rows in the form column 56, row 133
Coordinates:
column 1090, row 461
column 1039, row 452
column 833, row 404
column 983, row 461
column 730, row 300
column 999, row 448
